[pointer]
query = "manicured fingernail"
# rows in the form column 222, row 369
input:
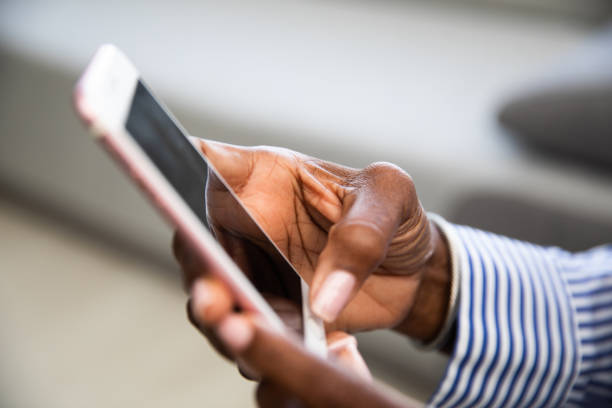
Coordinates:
column 235, row 332
column 333, row 295
column 201, row 299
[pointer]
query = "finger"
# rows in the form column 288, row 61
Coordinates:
column 343, row 347
column 290, row 314
column 209, row 306
column 180, row 249
column 192, row 266
column 236, row 332
column 382, row 197
column 234, row 163
column 283, row 361
column 211, row 300
column 209, row 333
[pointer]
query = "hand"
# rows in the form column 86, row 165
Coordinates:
column 360, row 238
column 210, row 302
column 289, row 375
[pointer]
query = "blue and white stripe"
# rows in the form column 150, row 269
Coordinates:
column 534, row 325
column 589, row 278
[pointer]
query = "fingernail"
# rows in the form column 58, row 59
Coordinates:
column 201, row 299
column 333, row 295
column 235, row 332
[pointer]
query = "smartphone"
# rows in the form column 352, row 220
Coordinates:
column 155, row 152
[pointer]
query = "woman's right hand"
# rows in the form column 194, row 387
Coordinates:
column 359, row 238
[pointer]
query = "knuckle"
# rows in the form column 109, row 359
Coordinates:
column 383, row 167
column 394, row 183
column 389, row 171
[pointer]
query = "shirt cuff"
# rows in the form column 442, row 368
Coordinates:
column 451, row 314
column 516, row 339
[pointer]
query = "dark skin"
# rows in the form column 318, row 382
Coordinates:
column 359, row 238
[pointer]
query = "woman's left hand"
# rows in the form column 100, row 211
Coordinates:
column 288, row 374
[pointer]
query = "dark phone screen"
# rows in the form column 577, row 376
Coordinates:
column 182, row 165
column 169, row 149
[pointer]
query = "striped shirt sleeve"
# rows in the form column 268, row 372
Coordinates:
column 534, row 325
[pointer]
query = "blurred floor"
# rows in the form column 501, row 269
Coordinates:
column 84, row 325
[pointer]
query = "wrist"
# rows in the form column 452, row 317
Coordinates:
column 429, row 310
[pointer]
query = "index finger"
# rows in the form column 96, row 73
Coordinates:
column 234, row 163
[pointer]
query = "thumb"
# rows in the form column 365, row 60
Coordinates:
column 233, row 163
column 358, row 243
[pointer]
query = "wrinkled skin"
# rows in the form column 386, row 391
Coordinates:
column 324, row 217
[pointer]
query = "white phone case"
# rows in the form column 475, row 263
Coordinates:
column 102, row 98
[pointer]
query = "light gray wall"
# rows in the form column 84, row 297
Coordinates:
column 353, row 82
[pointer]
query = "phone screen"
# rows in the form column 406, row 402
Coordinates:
column 156, row 132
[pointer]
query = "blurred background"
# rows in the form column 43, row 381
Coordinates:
column 500, row 109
